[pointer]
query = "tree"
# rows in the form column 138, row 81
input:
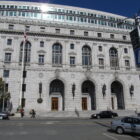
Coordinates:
column 4, row 95
column 1, row 89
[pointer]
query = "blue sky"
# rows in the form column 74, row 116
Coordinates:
column 122, row 7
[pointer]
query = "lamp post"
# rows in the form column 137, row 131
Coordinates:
column 104, row 90
column 73, row 90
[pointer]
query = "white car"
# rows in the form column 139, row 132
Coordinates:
column 126, row 125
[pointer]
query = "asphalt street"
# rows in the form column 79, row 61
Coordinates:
column 60, row 129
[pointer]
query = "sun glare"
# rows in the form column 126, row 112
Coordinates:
column 44, row 8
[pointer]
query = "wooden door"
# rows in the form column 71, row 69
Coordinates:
column 112, row 102
column 84, row 103
column 54, row 103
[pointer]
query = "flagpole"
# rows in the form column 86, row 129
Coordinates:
column 22, row 70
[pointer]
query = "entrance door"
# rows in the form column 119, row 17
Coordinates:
column 84, row 103
column 54, row 103
column 112, row 102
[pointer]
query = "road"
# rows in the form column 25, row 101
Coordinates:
column 59, row 129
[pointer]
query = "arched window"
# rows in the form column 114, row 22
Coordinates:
column 57, row 54
column 113, row 53
column 86, row 56
column 27, row 52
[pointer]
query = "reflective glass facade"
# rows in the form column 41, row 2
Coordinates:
column 63, row 15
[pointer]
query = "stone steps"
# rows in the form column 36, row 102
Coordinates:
column 82, row 114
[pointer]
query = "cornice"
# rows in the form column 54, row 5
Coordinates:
column 64, row 36
column 61, row 25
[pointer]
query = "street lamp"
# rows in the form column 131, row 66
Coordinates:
column 104, row 90
column 131, row 89
column 73, row 90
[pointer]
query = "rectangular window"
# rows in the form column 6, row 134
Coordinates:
column 99, row 35
column 112, row 36
column 101, row 63
column 6, row 73
column 41, row 59
column 42, row 29
column 9, row 41
column 127, row 64
column 72, row 46
column 7, row 58
column 85, row 33
column 11, row 27
column 124, row 37
column 41, row 43
column 72, row 32
column 27, row 28
column 57, row 31
column 125, row 50
column 72, row 61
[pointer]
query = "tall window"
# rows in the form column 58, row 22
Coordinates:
column 72, row 32
column 125, row 50
column 27, row 52
column 72, row 61
column 6, row 73
column 100, row 48
column 57, row 54
column 41, row 43
column 72, row 46
column 7, row 58
column 114, row 64
column 9, row 41
column 41, row 59
column 86, row 56
column 127, row 64
column 101, row 63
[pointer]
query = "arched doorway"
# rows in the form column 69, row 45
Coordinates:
column 117, row 95
column 57, row 95
column 88, row 96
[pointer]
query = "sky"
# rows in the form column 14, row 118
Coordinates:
column 126, row 8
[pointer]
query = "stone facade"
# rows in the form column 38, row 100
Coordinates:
column 79, row 87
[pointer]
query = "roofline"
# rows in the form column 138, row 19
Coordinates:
column 66, row 6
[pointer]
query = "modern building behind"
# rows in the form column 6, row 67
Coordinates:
column 75, row 58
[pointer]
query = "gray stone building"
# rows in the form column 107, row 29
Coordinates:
column 75, row 58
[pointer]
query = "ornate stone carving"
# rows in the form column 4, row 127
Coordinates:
column 88, row 73
column 40, row 75
column 57, row 73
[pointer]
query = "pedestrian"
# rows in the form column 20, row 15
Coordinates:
column 33, row 113
column 22, row 112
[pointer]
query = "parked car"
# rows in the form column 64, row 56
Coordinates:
column 4, row 116
column 126, row 125
column 104, row 114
